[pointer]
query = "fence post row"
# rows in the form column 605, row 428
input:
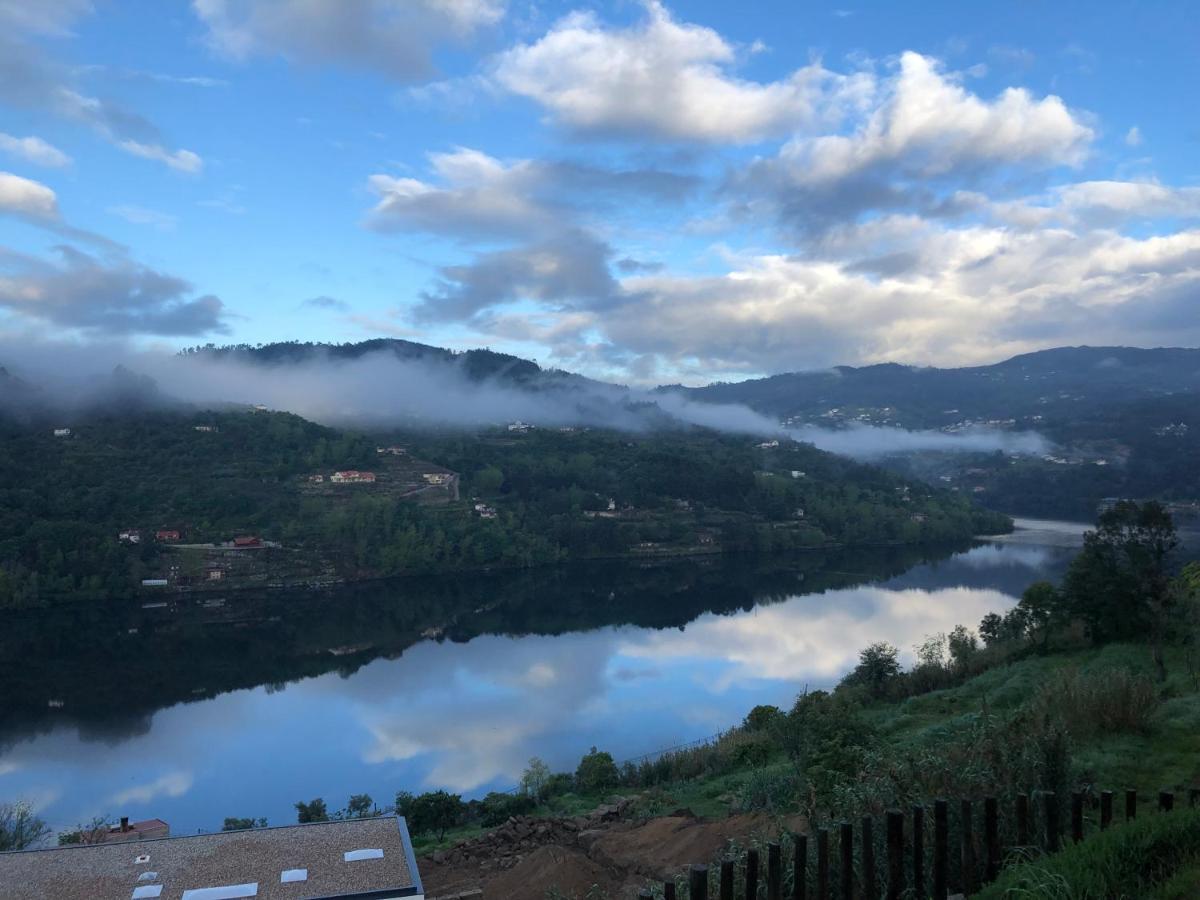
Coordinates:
column 800, row 868
column 991, row 837
column 895, row 854
column 774, row 873
column 867, row 873
column 918, row 849
column 726, row 884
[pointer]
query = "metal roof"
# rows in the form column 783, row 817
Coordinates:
column 262, row 863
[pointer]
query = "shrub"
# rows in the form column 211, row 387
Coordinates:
column 762, row 718
column 769, row 790
column 496, row 808
column 1128, row 861
column 19, row 827
column 597, row 772
column 877, row 665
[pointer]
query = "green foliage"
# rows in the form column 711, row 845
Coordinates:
column 1119, row 584
column 434, row 812
column 496, row 808
column 596, row 772
column 769, row 790
column 1128, row 861
column 232, row 823
column 877, row 665
column 827, row 741
column 360, row 806
column 20, row 827
column 762, row 718
column 312, row 811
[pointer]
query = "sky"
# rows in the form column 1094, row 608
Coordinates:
column 641, row 191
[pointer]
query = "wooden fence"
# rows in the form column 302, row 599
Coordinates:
column 857, row 876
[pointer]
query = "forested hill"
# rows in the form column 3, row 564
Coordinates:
column 67, row 492
column 1066, row 382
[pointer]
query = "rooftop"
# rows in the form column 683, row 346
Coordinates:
column 358, row 859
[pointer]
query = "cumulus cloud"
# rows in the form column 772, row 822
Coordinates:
column 34, row 150
column 661, row 79
column 27, row 199
column 917, row 134
column 396, row 37
column 173, row 784
column 45, row 17
column 103, row 296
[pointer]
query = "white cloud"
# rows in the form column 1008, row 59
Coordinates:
column 27, row 199
column 179, row 160
column 52, row 18
column 1133, row 137
column 924, row 123
column 396, row 37
column 1134, row 198
column 661, row 79
column 34, row 150
column 173, row 784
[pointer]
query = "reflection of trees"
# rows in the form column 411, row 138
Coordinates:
column 112, row 666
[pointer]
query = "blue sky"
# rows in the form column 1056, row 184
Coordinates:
column 644, row 191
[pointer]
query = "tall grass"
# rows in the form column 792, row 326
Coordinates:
column 1128, row 861
column 1106, row 701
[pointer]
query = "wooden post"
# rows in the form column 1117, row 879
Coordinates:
column 1052, row 827
column 846, row 849
column 1106, row 798
column 668, row 890
column 918, row 851
column 941, row 849
column 1076, row 816
column 970, row 871
column 1193, row 797
column 1022, row 820
column 1166, row 801
column 870, row 886
column 895, row 854
column 1130, row 805
column 725, row 886
column 751, row 874
column 800, row 868
column 698, row 883
column 774, row 872
column 991, row 837
column 823, row 864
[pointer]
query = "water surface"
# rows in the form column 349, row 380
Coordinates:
column 192, row 712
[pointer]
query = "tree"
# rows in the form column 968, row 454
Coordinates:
column 313, row 811
column 233, row 823
column 435, row 812
column 1041, row 609
column 535, row 778
column 991, row 629
column 877, row 665
column 596, row 772
column 95, row 832
column 360, row 806
column 963, row 645
column 1119, row 585
column 19, row 827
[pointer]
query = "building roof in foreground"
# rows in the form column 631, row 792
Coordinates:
column 358, row 859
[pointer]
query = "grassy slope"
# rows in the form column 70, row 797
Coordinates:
column 1167, row 756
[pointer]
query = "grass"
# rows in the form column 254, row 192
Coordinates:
column 1155, row 856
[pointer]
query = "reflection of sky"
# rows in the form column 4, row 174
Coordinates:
column 469, row 716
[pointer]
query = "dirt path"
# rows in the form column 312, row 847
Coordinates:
column 527, row 857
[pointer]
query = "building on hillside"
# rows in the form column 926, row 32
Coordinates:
column 768, row 445
column 167, row 534
column 316, row 479
column 147, row 830
column 130, row 536
column 485, row 511
column 391, row 451
column 362, row 858
column 154, row 582
column 352, row 476
column 246, row 541
column 436, row 477
column 62, row 432
column 207, row 429
column 519, row 427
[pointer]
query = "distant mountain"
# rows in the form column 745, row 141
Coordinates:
column 1066, row 382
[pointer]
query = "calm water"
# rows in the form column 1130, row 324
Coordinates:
column 192, row 713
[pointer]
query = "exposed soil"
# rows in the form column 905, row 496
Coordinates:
column 527, row 857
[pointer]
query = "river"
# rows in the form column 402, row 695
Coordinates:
column 191, row 711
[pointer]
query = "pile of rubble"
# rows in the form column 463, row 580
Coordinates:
column 505, row 846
